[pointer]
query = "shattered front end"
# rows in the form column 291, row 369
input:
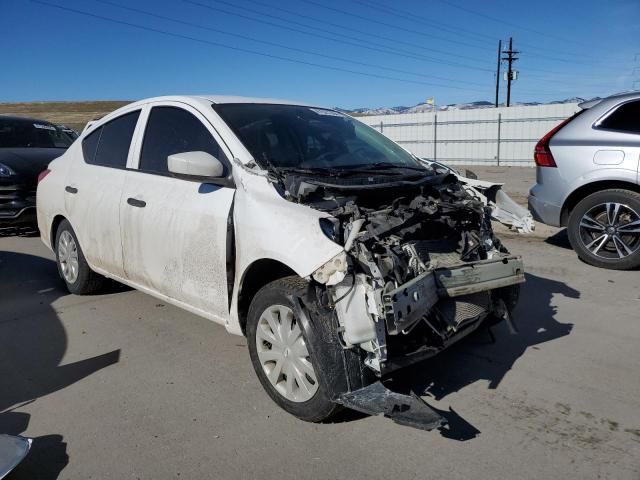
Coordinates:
column 421, row 267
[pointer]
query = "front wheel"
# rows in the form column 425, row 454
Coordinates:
column 301, row 362
column 281, row 357
column 604, row 229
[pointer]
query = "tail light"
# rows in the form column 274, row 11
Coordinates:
column 43, row 174
column 542, row 153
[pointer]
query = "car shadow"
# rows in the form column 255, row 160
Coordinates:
column 488, row 355
column 559, row 239
column 33, row 342
column 19, row 231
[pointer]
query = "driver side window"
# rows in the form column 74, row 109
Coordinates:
column 174, row 130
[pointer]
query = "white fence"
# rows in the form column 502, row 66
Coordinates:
column 487, row 136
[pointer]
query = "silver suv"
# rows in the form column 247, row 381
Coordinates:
column 587, row 180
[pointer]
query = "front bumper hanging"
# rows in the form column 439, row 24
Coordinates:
column 408, row 303
column 376, row 399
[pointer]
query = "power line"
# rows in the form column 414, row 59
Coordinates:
column 387, row 50
column 244, row 50
column 316, row 53
column 550, row 78
column 279, row 45
column 395, row 50
column 506, row 22
column 207, row 6
column 411, row 16
column 365, row 33
column 390, row 25
column 543, row 53
column 352, row 29
column 499, row 20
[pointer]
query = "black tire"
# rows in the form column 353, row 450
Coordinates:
column 337, row 370
column 87, row 280
column 623, row 197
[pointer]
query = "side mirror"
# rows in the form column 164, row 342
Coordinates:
column 197, row 164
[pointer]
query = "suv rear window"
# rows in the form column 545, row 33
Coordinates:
column 108, row 146
column 625, row 118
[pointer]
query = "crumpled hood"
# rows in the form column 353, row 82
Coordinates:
column 28, row 162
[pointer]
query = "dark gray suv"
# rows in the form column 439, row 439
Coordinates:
column 27, row 145
column 587, row 180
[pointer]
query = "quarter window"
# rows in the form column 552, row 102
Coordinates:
column 625, row 118
column 108, row 146
column 174, row 130
column 90, row 145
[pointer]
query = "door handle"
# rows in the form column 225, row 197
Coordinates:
column 71, row 189
column 134, row 202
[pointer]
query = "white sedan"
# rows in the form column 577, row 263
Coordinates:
column 340, row 255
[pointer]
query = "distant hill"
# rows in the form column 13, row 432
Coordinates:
column 77, row 114
column 425, row 107
column 72, row 114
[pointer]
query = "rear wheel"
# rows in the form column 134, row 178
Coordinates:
column 604, row 229
column 72, row 265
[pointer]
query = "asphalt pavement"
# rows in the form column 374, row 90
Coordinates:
column 121, row 385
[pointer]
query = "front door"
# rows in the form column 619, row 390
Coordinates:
column 174, row 230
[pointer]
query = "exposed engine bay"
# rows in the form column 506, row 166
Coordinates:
column 421, row 266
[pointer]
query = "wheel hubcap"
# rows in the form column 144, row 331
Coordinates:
column 611, row 231
column 68, row 257
column 283, row 354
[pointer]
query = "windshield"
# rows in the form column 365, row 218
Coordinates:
column 24, row 133
column 295, row 137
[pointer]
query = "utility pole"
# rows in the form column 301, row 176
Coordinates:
column 498, row 72
column 511, row 74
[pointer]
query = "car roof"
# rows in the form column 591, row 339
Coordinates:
column 616, row 98
column 235, row 99
column 16, row 118
column 222, row 99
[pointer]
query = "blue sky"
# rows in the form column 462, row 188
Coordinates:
column 444, row 49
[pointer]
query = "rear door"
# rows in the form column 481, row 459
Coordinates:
column 174, row 230
column 93, row 190
column 620, row 131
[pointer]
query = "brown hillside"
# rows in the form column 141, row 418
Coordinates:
column 73, row 114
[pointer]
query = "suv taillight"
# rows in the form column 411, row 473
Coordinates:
column 542, row 153
column 43, row 174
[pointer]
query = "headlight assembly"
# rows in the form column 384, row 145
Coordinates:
column 333, row 271
column 5, row 171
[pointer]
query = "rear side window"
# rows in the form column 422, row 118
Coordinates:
column 625, row 118
column 108, row 146
column 174, row 130
column 90, row 145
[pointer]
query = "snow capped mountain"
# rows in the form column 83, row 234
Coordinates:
column 426, row 107
column 378, row 111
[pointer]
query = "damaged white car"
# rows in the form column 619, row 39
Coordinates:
column 338, row 254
